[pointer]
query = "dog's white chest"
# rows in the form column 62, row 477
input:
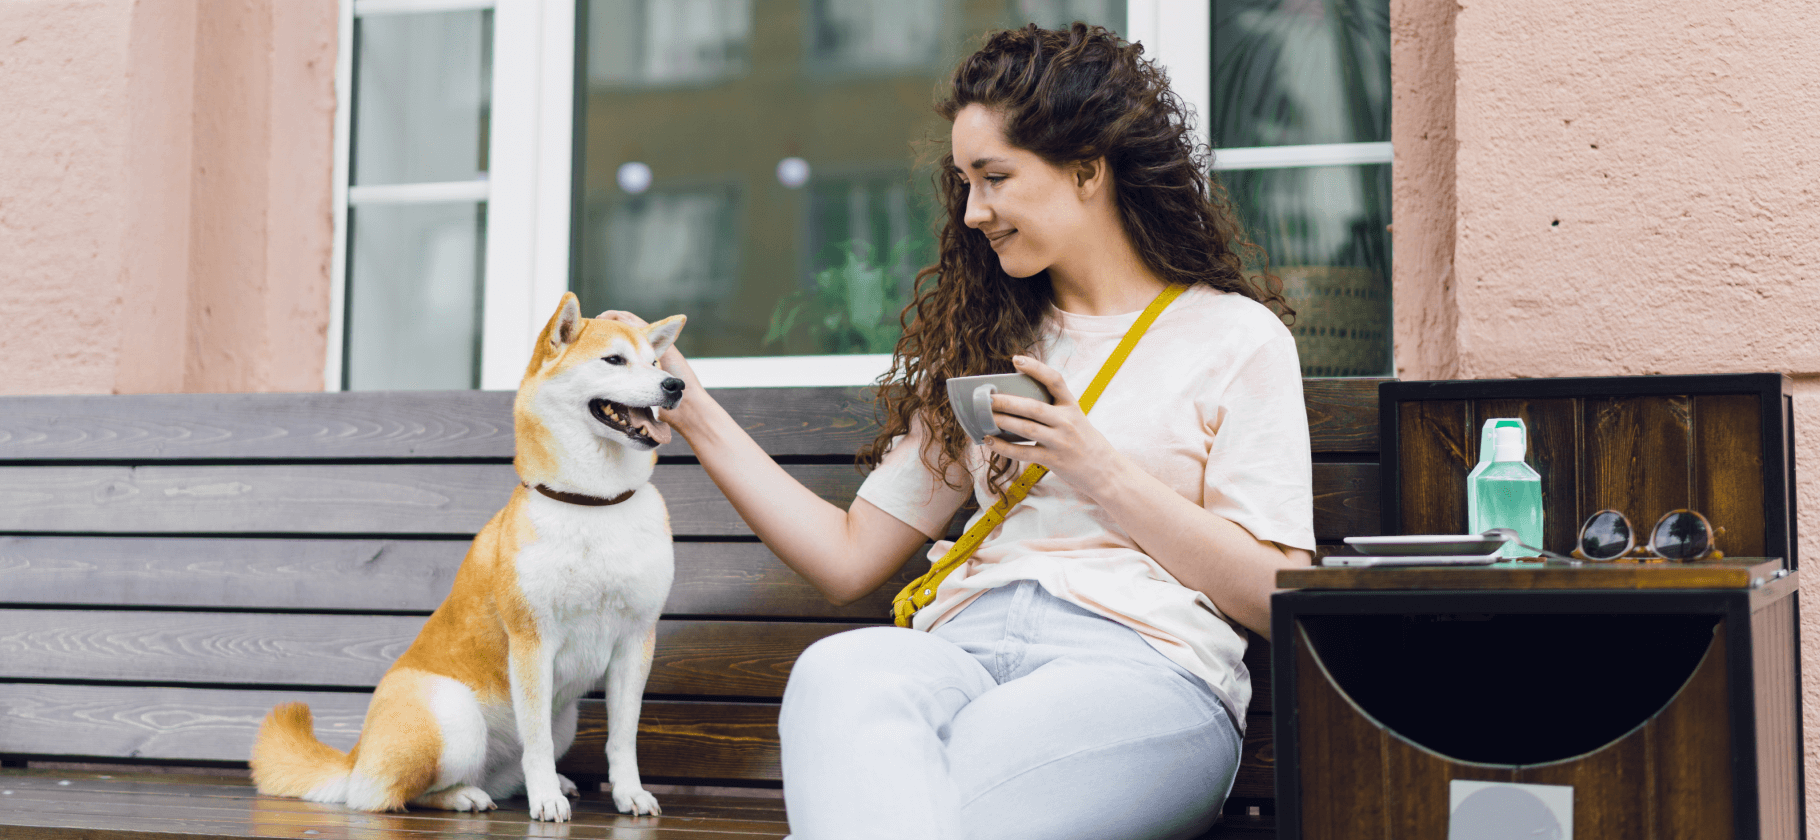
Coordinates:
column 596, row 577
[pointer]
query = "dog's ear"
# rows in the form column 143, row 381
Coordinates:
column 558, row 334
column 663, row 333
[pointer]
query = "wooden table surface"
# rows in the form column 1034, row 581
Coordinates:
column 1730, row 573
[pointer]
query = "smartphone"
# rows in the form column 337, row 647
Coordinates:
column 971, row 397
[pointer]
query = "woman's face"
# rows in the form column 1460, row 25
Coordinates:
column 1033, row 213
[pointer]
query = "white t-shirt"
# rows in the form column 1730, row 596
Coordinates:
column 1209, row 402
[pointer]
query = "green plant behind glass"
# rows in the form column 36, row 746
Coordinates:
column 854, row 305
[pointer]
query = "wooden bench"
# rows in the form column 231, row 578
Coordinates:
column 173, row 566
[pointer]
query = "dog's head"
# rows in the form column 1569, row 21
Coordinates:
column 603, row 375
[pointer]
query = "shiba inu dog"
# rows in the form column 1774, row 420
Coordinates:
column 564, row 583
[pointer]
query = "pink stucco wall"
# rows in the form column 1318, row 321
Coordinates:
column 165, row 207
column 1634, row 188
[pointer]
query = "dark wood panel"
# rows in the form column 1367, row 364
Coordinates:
column 1435, row 454
column 327, row 499
column 1774, row 643
column 732, row 578
column 1554, row 452
column 1257, row 662
column 1689, row 740
column 1346, row 501
column 1728, row 470
column 475, row 424
column 682, row 740
column 1257, row 773
column 1730, row 573
column 716, row 658
column 1342, row 414
column 1635, row 457
column 1342, row 784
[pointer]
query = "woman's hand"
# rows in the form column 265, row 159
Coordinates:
column 673, row 363
column 1065, row 441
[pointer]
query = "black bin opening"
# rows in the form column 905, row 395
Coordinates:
column 1510, row 689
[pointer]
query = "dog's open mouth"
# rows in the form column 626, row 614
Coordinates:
column 635, row 422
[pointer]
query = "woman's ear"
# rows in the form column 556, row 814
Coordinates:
column 1090, row 177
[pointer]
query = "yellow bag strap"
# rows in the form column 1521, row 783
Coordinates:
column 921, row 591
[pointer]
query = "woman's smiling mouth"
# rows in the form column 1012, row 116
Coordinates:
column 997, row 239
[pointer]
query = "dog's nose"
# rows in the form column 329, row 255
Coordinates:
column 673, row 385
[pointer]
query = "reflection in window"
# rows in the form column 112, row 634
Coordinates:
column 876, row 34
column 841, row 90
column 668, row 252
column 1305, row 72
column 655, row 42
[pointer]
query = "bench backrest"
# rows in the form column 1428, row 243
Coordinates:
column 173, row 566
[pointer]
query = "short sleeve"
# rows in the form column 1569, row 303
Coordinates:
column 1259, row 472
column 904, row 486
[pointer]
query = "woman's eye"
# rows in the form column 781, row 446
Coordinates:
column 994, row 179
column 615, row 359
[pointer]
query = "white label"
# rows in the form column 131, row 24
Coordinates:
column 1497, row 810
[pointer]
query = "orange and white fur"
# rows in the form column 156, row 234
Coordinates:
column 552, row 593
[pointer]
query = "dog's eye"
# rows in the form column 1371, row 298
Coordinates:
column 615, row 359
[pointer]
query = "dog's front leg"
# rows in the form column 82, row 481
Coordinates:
column 630, row 666
column 531, row 668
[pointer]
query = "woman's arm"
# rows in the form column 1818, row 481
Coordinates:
column 1203, row 550
column 845, row 554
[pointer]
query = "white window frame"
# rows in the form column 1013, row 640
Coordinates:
column 529, row 186
column 527, row 189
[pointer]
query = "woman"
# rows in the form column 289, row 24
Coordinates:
column 1080, row 676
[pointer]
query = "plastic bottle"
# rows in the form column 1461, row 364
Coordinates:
column 1508, row 493
column 1485, row 450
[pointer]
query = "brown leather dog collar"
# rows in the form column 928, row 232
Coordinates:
column 582, row 499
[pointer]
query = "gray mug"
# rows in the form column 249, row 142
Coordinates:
column 971, row 397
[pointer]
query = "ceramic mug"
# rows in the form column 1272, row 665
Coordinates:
column 971, row 397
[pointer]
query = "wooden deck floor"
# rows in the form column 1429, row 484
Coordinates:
column 44, row 804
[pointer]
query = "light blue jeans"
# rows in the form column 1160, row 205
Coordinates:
column 1023, row 717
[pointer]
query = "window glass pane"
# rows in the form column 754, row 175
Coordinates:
column 421, row 89
column 1294, row 72
column 749, row 159
column 414, row 296
column 1324, row 229
column 632, row 42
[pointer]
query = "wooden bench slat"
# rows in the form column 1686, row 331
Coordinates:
column 712, row 578
column 1342, row 417
column 715, row 658
column 449, row 499
column 330, row 498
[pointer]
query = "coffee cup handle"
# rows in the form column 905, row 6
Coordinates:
column 982, row 410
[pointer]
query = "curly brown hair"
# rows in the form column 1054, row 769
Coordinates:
column 1068, row 96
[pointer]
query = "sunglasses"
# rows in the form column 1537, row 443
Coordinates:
column 1679, row 535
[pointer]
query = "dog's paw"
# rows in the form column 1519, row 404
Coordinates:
column 550, row 808
column 459, row 798
column 636, row 801
column 567, row 787
column 547, row 803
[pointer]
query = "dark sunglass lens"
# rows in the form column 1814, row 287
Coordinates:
column 1681, row 535
column 1605, row 536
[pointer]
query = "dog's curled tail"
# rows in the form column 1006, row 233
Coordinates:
column 289, row 761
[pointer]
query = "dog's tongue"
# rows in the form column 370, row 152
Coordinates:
column 649, row 424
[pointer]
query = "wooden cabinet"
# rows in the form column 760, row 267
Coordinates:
column 1665, row 695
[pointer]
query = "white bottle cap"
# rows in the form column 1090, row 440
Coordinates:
column 1508, row 444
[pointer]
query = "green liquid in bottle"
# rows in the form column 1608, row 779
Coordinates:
column 1508, row 494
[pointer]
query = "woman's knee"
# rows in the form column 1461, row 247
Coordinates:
column 859, row 669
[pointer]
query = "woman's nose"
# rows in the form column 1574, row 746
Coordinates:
column 978, row 212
